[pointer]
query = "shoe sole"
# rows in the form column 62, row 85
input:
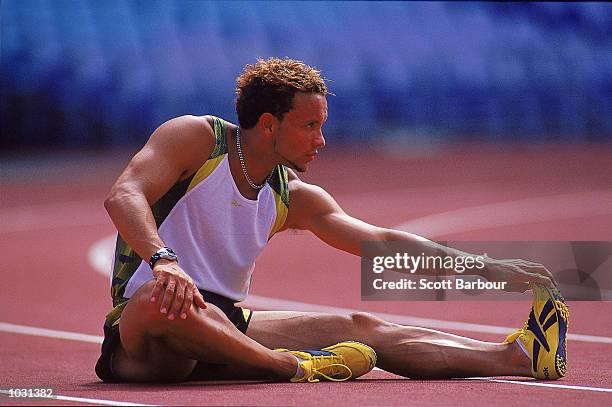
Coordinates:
column 563, row 322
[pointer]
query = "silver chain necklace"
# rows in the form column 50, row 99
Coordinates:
column 243, row 166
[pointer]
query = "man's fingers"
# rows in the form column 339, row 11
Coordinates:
column 198, row 298
column 539, row 269
column 188, row 302
column 176, row 292
column 157, row 290
column 168, row 296
column 540, row 279
column 179, row 298
column 542, row 271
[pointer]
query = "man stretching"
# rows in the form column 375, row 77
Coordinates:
column 197, row 205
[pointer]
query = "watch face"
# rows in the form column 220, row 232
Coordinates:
column 163, row 253
column 167, row 254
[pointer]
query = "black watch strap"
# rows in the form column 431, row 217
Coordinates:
column 163, row 253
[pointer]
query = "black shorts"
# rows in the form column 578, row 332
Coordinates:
column 238, row 316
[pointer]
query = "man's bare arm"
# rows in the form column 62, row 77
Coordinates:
column 173, row 152
column 314, row 209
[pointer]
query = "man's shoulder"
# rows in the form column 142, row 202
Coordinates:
column 189, row 139
column 306, row 201
column 298, row 186
column 212, row 120
column 190, row 123
column 304, row 194
column 188, row 131
column 295, row 184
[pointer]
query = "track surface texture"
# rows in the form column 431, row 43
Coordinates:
column 51, row 215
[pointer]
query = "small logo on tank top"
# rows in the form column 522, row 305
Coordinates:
column 235, row 203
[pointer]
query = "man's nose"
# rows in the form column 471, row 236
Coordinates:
column 320, row 141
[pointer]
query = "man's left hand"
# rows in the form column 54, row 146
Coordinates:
column 518, row 274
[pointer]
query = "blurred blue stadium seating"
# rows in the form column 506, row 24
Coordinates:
column 107, row 72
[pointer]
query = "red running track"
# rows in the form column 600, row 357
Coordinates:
column 51, row 214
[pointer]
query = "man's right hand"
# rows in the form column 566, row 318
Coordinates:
column 175, row 289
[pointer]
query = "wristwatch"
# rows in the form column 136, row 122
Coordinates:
column 163, row 253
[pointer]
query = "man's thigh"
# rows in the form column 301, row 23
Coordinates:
column 299, row 330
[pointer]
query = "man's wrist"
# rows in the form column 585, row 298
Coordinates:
column 486, row 270
column 165, row 253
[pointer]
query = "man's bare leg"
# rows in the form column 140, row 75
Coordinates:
column 154, row 348
column 404, row 350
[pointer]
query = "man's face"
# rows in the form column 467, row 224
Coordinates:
column 300, row 135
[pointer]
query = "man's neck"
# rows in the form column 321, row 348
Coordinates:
column 258, row 159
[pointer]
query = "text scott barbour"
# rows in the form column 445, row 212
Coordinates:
column 425, row 284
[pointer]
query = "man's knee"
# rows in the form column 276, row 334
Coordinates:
column 147, row 311
column 144, row 354
column 143, row 294
column 145, row 314
column 363, row 321
column 142, row 321
column 140, row 308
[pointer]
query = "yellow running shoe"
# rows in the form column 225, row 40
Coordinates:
column 337, row 363
column 544, row 335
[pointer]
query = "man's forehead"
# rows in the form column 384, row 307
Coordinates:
column 309, row 104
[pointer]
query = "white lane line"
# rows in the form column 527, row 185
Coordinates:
column 548, row 208
column 49, row 333
column 541, row 384
column 82, row 400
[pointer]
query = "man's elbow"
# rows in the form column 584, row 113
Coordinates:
column 115, row 198
column 110, row 201
column 392, row 235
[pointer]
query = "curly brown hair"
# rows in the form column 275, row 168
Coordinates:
column 269, row 85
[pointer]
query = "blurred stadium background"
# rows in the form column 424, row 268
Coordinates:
column 105, row 73
column 495, row 121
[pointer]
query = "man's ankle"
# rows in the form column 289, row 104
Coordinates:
column 288, row 365
column 519, row 358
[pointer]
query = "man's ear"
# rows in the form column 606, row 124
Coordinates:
column 267, row 124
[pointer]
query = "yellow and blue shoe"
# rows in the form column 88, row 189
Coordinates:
column 544, row 335
column 337, row 363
